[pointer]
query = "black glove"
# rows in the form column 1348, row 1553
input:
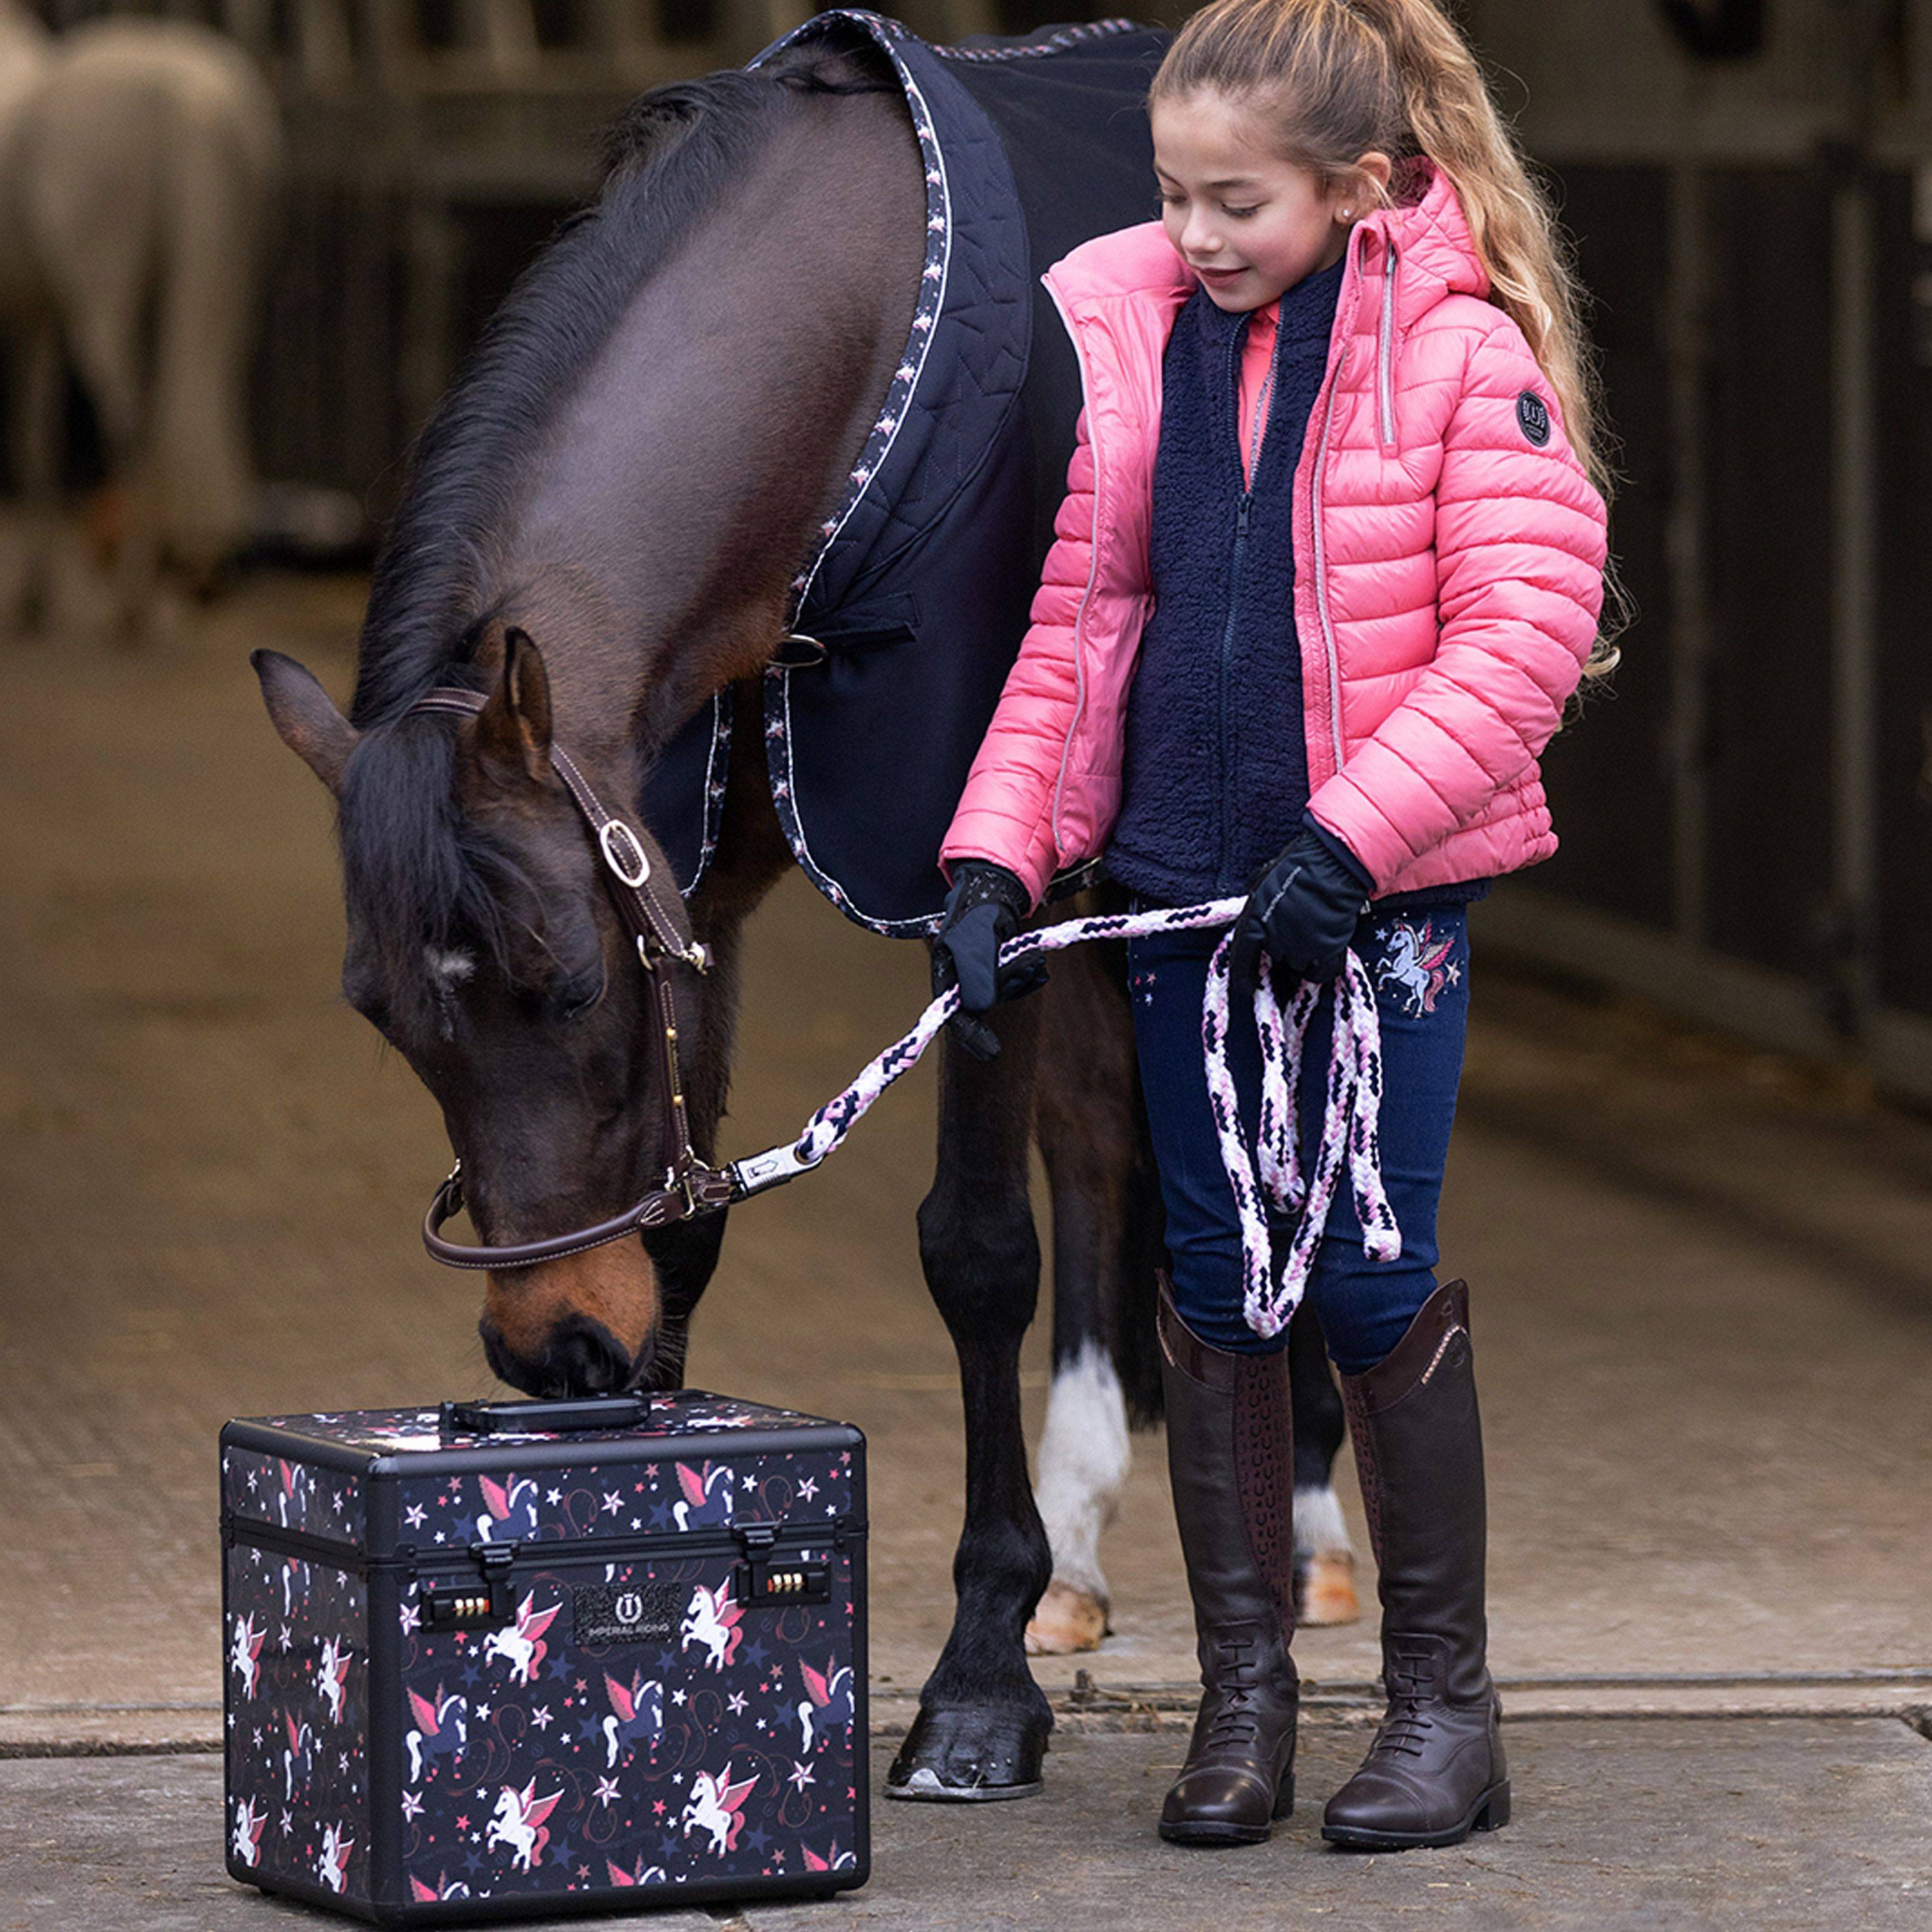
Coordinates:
column 983, row 911
column 1302, row 912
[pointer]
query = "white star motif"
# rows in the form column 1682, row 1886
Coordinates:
column 613, row 1502
column 441, row 1538
column 410, row 1620
column 736, row 1702
column 540, row 1717
column 606, row 1790
column 482, row 1712
column 677, row 1696
column 800, row 1775
column 288, row 1823
column 553, row 1497
column 411, row 1804
column 414, row 1515
column 808, row 1489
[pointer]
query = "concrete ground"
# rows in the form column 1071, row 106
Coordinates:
column 1702, row 1300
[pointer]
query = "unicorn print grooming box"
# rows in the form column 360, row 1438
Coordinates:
column 514, row 1658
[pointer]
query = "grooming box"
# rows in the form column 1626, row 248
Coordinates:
column 504, row 1659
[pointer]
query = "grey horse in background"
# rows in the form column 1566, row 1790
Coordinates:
column 139, row 160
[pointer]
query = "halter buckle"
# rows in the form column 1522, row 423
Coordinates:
column 638, row 869
column 696, row 956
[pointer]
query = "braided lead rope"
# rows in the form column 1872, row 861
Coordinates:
column 1349, row 1119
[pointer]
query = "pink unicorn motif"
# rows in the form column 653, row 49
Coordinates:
column 442, row 1730
column 638, row 1715
column 335, row 1676
column 708, row 1495
column 641, row 1874
column 523, row 1648
column 333, row 1863
column 1417, row 966
column 244, row 1653
column 246, row 1842
column 444, row 1888
column 298, row 1758
column 717, row 1805
column 519, row 1822
column 511, row 1510
column 834, row 1861
column 712, row 1618
column 296, row 1484
column 828, row 1701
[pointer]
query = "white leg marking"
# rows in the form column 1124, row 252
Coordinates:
column 1083, row 1462
column 1318, row 1521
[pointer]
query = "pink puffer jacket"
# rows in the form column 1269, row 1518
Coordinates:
column 1449, row 559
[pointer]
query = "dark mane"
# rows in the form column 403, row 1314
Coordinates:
column 667, row 158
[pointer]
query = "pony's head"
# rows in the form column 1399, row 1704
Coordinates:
column 483, row 946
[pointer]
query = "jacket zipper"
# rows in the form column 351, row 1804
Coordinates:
column 1225, row 788
column 1093, row 568
column 1330, row 657
column 1384, row 347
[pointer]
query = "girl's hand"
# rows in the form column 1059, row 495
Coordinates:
column 1302, row 913
column 983, row 911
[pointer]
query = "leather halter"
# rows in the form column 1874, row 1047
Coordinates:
column 661, row 932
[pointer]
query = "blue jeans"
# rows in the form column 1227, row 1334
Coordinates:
column 1422, row 1003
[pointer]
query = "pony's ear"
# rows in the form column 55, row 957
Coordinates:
column 305, row 716
column 513, row 728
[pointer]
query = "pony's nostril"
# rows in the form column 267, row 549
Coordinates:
column 584, row 1358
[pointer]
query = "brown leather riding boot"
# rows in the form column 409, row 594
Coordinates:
column 1436, row 1770
column 1231, row 1454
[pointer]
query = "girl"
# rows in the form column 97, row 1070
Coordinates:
column 1329, row 565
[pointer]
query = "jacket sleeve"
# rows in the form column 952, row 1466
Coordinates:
column 1006, row 812
column 1520, row 547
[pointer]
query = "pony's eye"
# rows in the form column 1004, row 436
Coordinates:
column 572, row 1002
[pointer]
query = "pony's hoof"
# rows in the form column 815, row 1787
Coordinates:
column 969, row 1754
column 1067, row 1620
column 1325, row 1588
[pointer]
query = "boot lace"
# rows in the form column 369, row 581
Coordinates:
column 1235, row 1720
column 1405, row 1729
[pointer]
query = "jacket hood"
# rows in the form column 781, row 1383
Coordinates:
column 1429, row 234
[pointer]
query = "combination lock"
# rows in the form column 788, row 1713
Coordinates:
column 779, row 1581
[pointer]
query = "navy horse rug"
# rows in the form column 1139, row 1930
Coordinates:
column 908, row 617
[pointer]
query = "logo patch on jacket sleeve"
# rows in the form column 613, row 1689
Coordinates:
column 1532, row 416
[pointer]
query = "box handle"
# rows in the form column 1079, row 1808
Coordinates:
column 630, row 1410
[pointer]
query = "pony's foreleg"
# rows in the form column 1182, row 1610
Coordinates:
column 982, row 1721
column 1086, row 1123
column 1324, row 1558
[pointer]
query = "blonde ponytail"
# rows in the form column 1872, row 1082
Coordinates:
column 1334, row 79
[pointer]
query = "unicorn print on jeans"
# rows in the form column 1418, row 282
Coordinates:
column 1417, row 966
